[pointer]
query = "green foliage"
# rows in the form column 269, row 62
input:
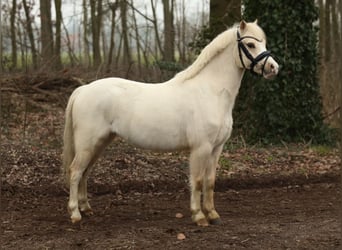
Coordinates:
column 204, row 37
column 289, row 107
column 322, row 150
column 168, row 65
column 225, row 163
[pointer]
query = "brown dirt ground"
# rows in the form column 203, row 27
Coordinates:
column 268, row 198
column 304, row 217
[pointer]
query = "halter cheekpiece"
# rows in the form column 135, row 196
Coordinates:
column 254, row 61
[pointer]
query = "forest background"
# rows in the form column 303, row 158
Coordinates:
column 151, row 40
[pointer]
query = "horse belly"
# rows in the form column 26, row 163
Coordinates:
column 156, row 130
column 154, row 138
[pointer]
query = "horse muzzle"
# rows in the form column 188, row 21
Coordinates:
column 270, row 68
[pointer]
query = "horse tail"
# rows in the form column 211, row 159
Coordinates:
column 68, row 141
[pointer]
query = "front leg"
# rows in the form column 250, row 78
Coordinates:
column 195, row 203
column 208, row 188
column 208, row 197
column 199, row 159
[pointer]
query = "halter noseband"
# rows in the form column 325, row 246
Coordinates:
column 254, row 61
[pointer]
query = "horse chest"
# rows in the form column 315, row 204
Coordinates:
column 219, row 120
column 225, row 130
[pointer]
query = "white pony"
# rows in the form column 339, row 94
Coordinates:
column 192, row 111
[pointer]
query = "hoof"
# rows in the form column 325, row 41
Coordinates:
column 88, row 212
column 75, row 219
column 202, row 222
column 216, row 221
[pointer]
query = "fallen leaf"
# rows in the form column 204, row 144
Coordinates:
column 179, row 215
column 181, row 236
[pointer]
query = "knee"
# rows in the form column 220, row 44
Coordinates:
column 196, row 184
column 210, row 182
column 75, row 175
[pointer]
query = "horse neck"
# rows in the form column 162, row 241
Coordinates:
column 222, row 73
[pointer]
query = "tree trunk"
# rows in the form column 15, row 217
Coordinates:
column 85, row 34
column 96, row 20
column 21, row 40
column 137, row 39
column 46, row 34
column 330, row 51
column 71, row 54
column 104, row 47
column 118, row 53
column 340, row 76
column 336, row 55
column 30, row 35
column 223, row 13
column 169, row 31
column 340, row 10
column 58, row 60
column 1, row 56
column 127, row 58
column 321, row 30
column 13, row 34
column 327, row 31
column 181, row 29
column 113, row 7
column 155, row 26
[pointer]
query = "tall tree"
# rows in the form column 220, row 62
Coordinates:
column 137, row 38
column 169, row 31
column 59, row 18
column 330, row 49
column 13, row 34
column 155, row 26
column 86, row 51
column 223, row 14
column 127, row 57
column 113, row 7
column 96, row 24
column 46, row 33
column 30, row 34
column 181, row 29
column 327, row 30
column 0, row 42
column 322, row 30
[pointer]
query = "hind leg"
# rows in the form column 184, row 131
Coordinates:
column 83, row 202
column 77, row 168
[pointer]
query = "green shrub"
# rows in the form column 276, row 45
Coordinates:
column 289, row 107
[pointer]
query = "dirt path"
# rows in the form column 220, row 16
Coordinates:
column 300, row 217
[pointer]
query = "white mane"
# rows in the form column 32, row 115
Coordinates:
column 215, row 47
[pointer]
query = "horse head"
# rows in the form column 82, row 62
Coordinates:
column 252, row 52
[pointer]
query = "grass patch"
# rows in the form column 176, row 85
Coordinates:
column 322, row 149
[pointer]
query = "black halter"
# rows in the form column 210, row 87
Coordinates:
column 254, row 61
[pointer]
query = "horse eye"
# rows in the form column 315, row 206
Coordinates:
column 251, row 45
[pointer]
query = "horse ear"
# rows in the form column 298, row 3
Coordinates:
column 243, row 25
column 256, row 21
